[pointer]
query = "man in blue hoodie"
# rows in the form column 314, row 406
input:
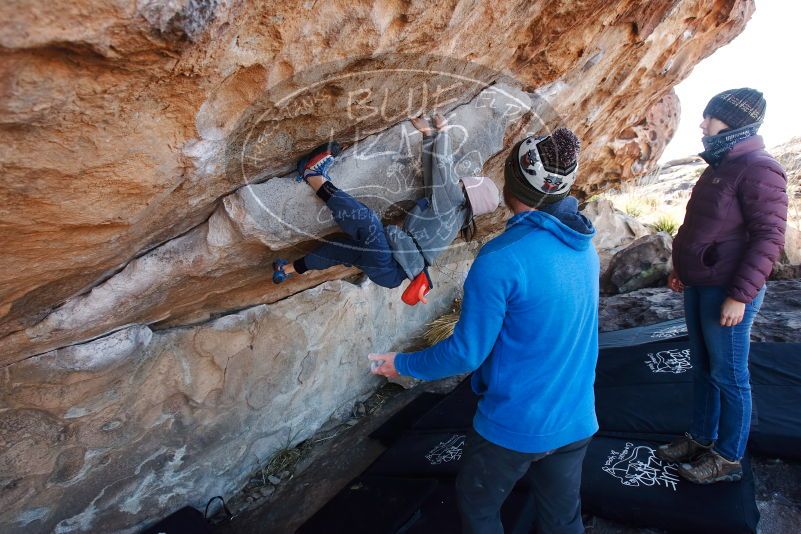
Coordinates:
column 529, row 330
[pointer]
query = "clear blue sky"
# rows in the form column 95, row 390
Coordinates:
column 764, row 56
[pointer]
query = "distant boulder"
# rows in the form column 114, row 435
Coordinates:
column 689, row 160
column 791, row 255
column 789, row 264
column 645, row 263
column 614, row 229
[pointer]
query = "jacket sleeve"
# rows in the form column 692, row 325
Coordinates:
column 762, row 194
column 486, row 290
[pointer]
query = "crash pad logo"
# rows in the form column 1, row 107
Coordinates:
column 670, row 332
column 447, row 451
column 638, row 466
column 674, row 361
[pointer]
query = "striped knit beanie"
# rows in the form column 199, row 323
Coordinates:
column 737, row 107
column 541, row 170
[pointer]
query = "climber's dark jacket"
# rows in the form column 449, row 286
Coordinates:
column 733, row 231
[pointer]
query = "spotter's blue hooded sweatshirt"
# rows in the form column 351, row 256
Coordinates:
column 529, row 327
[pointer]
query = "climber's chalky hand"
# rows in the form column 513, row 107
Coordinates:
column 383, row 364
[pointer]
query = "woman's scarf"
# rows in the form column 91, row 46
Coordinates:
column 716, row 146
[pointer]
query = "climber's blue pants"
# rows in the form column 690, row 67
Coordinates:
column 365, row 246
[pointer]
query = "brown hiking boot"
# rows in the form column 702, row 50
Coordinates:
column 711, row 468
column 684, row 449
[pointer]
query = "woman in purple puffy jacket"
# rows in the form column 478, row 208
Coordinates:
column 733, row 233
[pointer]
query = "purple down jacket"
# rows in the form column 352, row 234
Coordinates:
column 733, row 230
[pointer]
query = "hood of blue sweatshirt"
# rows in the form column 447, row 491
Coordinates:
column 561, row 219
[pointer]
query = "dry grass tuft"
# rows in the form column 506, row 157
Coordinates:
column 633, row 209
column 442, row 327
column 283, row 460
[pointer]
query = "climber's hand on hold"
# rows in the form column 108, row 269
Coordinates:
column 383, row 364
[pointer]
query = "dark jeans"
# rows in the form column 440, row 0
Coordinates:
column 365, row 246
column 719, row 356
column 489, row 472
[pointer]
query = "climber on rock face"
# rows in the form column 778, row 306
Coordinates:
column 388, row 255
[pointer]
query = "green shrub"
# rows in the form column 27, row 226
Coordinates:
column 667, row 224
column 632, row 209
column 651, row 202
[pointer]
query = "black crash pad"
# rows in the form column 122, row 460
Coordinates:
column 403, row 420
column 370, row 505
column 648, row 389
column 454, row 412
column 384, row 505
column 422, row 455
column 622, row 480
column 674, row 330
column 439, row 514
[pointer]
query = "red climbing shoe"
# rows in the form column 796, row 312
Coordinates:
column 417, row 289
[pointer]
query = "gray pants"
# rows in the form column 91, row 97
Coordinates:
column 489, row 472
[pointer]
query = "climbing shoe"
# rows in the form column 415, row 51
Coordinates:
column 418, row 288
column 684, row 449
column 318, row 161
column 278, row 271
column 710, row 468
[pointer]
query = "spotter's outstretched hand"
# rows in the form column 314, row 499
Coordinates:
column 383, row 364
